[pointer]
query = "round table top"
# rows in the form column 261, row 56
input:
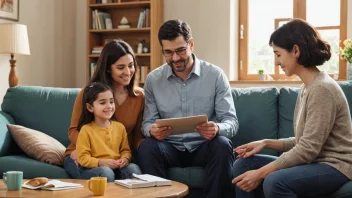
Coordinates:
column 112, row 190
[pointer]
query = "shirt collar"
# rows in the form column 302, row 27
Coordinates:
column 195, row 69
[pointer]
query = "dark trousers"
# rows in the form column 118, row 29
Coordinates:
column 307, row 180
column 155, row 157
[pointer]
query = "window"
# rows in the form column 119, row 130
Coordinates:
column 259, row 18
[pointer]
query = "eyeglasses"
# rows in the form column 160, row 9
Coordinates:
column 180, row 51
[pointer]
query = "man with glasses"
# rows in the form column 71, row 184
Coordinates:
column 187, row 86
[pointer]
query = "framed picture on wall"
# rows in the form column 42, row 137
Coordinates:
column 9, row 9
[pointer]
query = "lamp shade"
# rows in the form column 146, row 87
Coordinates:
column 14, row 39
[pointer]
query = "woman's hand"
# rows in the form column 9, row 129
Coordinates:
column 249, row 149
column 122, row 162
column 73, row 156
column 109, row 163
column 248, row 181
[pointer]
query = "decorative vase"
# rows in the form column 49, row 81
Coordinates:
column 349, row 71
column 261, row 76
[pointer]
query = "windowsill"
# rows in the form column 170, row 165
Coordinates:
column 265, row 82
column 269, row 81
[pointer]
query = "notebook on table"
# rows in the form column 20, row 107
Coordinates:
column 143, row 181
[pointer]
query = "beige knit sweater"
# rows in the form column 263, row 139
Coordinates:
column 322, row 128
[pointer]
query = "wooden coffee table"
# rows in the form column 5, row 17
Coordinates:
column 112, row 190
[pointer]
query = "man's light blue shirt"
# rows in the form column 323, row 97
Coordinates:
column 205, row 91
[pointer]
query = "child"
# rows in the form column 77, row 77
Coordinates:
column 102, row 144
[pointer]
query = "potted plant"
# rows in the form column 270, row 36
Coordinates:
column 346, row 53
column 261, row 74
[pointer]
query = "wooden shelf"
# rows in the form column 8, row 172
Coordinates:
column 94, row 55
column 121, row 30
column 144, row 54
column 137, row 55
column 106, row 6
column 266, row 82
column 130, row 9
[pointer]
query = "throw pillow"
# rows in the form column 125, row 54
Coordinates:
column 38, row 145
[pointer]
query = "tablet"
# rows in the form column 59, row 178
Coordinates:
column 182, row 125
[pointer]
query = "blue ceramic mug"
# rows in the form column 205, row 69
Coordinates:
column 13, row 180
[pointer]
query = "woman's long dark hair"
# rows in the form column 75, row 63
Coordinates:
column 90, row 94
column 112, row 52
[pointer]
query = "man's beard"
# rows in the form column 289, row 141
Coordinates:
column 178, row 69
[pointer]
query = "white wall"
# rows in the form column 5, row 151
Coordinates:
column 51, row 31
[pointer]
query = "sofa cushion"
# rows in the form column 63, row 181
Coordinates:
column 193, row 177
column 346, row 87
column 7, row 144
column 344, row 191
column 287, row 103
column 256, row 109
column 31, row 168
column 38, row 145
column 44, row 109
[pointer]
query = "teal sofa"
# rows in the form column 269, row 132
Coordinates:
column 263, row 112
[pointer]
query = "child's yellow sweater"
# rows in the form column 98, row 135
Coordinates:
column 96, row 143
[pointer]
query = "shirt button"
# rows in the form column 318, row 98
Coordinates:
column 184, row 84
column 183, row 99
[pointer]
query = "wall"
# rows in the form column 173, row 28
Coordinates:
column 210, row 23
column 81, row 43
column 57, row 37
column 349, row 19
column 215, row 30
column 213, row 25
column 51, row 32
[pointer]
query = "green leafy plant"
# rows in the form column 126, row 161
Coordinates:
column 260, row 71
column 346, row 52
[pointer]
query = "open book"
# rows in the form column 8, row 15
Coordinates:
column 142, row 181
column 54, row 185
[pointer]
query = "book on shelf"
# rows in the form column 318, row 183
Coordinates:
column 54, row 185
column 143, row 19
column 144, row 73
column 92, row 68
column 106, row 1
column 101, row 20
column 97, row 49
column 143, row 181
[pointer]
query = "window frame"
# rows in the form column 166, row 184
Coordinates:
column 299, row 11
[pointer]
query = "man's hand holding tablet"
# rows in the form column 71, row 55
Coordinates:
column 174, row 126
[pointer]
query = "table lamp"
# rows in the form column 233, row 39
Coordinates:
column 13, row 40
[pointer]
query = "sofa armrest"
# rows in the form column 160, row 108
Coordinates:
column 7, row 144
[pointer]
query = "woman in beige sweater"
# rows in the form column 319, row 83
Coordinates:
column 317, row 161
